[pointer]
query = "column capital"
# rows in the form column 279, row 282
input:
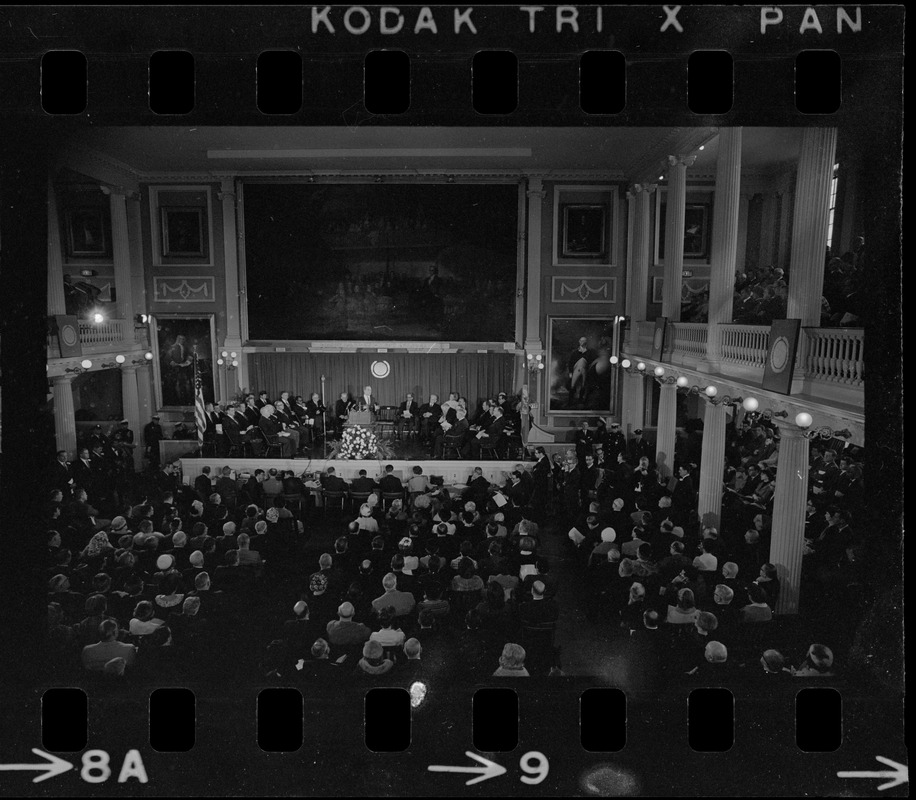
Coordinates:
column 789, row 430
column 59, row 380
column 681, row 161
column 636, row 188
column 535, row 188
column 119, row 191
column 226, row 195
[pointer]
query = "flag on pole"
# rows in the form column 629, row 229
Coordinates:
column 200, row 411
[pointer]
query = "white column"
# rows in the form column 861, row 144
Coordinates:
column 724, row 238
column 130, row 400
column 639, row 256
column 784, row 222
column 64, row 419
column 630, row 297
column 674, row 235
column 741, row 259
column 633, row 403
column 146, row 403
column 536, row 195
column 233, row 340
column 787, row 541
column 120, row 253
column 809, row 225
column 667, row 429
column 56, row 299
column 712, row 465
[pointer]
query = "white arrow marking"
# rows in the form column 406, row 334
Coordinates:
column 899, row 774
column 55, row 766
column 490, row 769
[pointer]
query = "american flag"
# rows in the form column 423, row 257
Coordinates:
column 200, row 411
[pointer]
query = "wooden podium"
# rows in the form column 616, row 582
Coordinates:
column 362, row 419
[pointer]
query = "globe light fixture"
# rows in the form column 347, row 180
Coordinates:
column 804, row 419
column 682, row 381
column 711, row 391
column 659, row 371
column 751, row 404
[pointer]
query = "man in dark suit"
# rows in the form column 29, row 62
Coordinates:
column 59, row 476
column 272, row 427
column 203, row 484
column 484, row 418
column 238, row 428
column 455, row 434
column 683, row 497
column 478, row 488
column 252, row 412
column 341, row 411
column 83, row 471
column 314, row 417
column 614, row 443
column 540, row 610
column 639, row 447
column 583, row 440
column 152, row 435
column 389, row 483
column 493, row 433
column 429, row 417
column 332, row 482
column 366, row 401
column 363, row 484
column 288, row 421
column 408, row 413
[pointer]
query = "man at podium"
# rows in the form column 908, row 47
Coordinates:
column 367, row 402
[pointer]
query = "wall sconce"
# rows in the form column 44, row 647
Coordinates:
column 117, row 363
column 84, row 366
column 228, row 360
column 142, row 319
column 535, row 362
column 751, row 404
column 147, row 357
column 641, row 366
column 625, row 363
column 614, row 361
column 682, row 382
column 804, row 420
column 96, row 316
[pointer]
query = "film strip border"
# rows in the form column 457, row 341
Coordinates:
column 451, row 65
column 559, row 737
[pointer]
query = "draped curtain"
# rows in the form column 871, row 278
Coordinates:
column 475, row 376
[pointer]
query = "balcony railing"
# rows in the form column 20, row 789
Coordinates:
column 836, row 355
column 110, row 331
column 830, row 357
column 110, row 335
column 745, row 344
column 690, row 338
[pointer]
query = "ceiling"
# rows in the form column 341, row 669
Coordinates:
column 625, row 153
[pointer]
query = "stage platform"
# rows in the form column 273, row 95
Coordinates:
column 452, row 472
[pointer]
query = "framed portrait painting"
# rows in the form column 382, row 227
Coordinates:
column 184, row 232
column 581, row 381
column 584, row 231
column 87, row 234
column 177, row 339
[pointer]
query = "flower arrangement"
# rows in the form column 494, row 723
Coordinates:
column 358, row 443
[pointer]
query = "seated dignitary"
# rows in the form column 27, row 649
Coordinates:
column 272, row 427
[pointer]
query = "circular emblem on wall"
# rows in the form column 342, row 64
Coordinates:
column 657, row 341
column 380, row 369
column 779, row 354
column 68, row 335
